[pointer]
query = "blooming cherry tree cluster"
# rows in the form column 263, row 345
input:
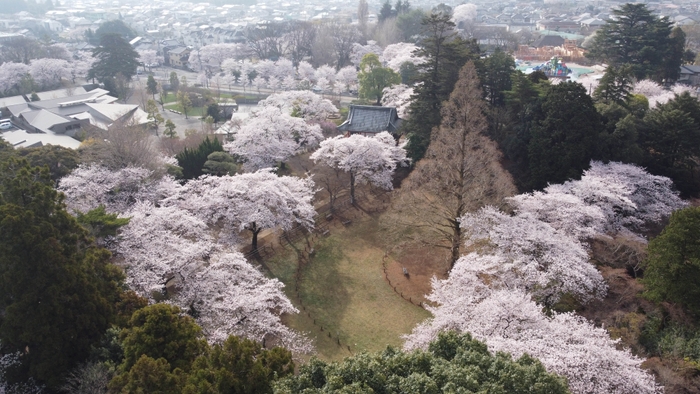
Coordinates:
column 628, row 196
column 522, row 262
column 347, row 78
column 366, row 159
column 398, row 96
column 532, row 256
column 359, row 51
column 464, row 13
column 215, row 54
column 301, row 103
column 657, row 94
column 168, row 250
column 149, row 57
column 509, row 321
column 271, row 136
column 11, row 75
column 49, row 72
column 395, row 55
column 92, row 185
column 254, row 201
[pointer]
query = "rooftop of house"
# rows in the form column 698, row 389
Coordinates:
column 371, row 119
column 548, row 41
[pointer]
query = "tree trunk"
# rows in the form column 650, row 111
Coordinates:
column 352, row 188
column 456, row 239
column 255, row 230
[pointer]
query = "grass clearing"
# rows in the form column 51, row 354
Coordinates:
column 344, row 290
column 193, row 111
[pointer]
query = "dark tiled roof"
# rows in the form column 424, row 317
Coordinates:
column 688, row 69
column 548, row 41
column 370, row 119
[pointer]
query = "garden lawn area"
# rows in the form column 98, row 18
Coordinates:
column 194, row 111
column 344, row 290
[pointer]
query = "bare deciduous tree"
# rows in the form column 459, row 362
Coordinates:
column 267, row 41
column 461, row 171
column 123, row 144
column 300, row 40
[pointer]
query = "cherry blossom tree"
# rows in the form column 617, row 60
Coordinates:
column 366, row 159
column 149, row 57
column 397, row 54
column 92, row 185
column 648, row 88
column 589, row 81
column 289, row 82
column 520, row 262
column 657, row 94
column 306, row 71
column 302, row 103
column 464, row 13
column 509, row 321
column 168, row 252
column 214, row 54
column 270, row 136
column 325, row 71
column 530, row 255
column 47, row 72
column 274, row 83
column 234, row 298
column 628, row 196
column 398, row 96
column 259, row 82
column 80, row 66
column 359, row 51
column 265, row 68
column 229, row 66
column 323, row 84
column 284, row 68
column 11, row 75
column 58, row 50
column 253, row 201
column 346, row 78
column 564, row 212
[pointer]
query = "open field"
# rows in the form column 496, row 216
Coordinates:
column 344, row 291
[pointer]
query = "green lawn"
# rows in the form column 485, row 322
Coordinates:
column 344, row 290
column 192, row 112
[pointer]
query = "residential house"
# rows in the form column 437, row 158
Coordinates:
column 177, row 57
column 690, row 75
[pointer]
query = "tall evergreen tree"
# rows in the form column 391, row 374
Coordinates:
column 564, row 137
column 58, row 289
column 114, row 56
column 670, row 139
column 192, row 160
column 615, row 86
column 446, row 54
column 672, row 270
column 640, row 39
